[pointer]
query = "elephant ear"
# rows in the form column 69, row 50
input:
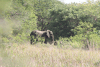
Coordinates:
column 48, row 33
column 51, row 32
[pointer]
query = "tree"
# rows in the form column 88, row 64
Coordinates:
column 42, row 7
column 23, row 19
column 86, row 35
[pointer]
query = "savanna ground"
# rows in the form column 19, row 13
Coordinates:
column 45, row 55
column 80, row 22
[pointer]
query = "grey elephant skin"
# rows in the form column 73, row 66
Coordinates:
column 46, row 34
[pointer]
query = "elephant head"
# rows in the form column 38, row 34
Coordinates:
column 45, row 34
column 50, row 35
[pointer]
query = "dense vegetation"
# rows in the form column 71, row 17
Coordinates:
column 75, row 23
column 76, row 26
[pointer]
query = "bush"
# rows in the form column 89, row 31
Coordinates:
column 86, row 36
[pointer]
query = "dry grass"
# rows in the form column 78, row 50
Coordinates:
column 26, row 55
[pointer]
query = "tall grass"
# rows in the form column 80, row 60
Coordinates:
column 26, row 55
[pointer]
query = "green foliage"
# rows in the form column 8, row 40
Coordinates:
column 78, row 21
column 83, row 28
column 39, row 39
column 23, row 19
column 5, row 40
column 68, row 16
column 42, row 8
column 86, row 36
column 4, row 6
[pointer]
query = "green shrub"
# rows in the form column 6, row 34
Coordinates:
column 5, row 40
column 86, row 36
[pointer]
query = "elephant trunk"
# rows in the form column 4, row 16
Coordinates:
column 52, row 38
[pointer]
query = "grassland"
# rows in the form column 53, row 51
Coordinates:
column 26, row 55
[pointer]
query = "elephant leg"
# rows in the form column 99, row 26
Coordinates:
column 42, row 40
column 36, row 38
column 45, row 40
column 31, row 41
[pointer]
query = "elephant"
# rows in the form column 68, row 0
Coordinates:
column 46, row 34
